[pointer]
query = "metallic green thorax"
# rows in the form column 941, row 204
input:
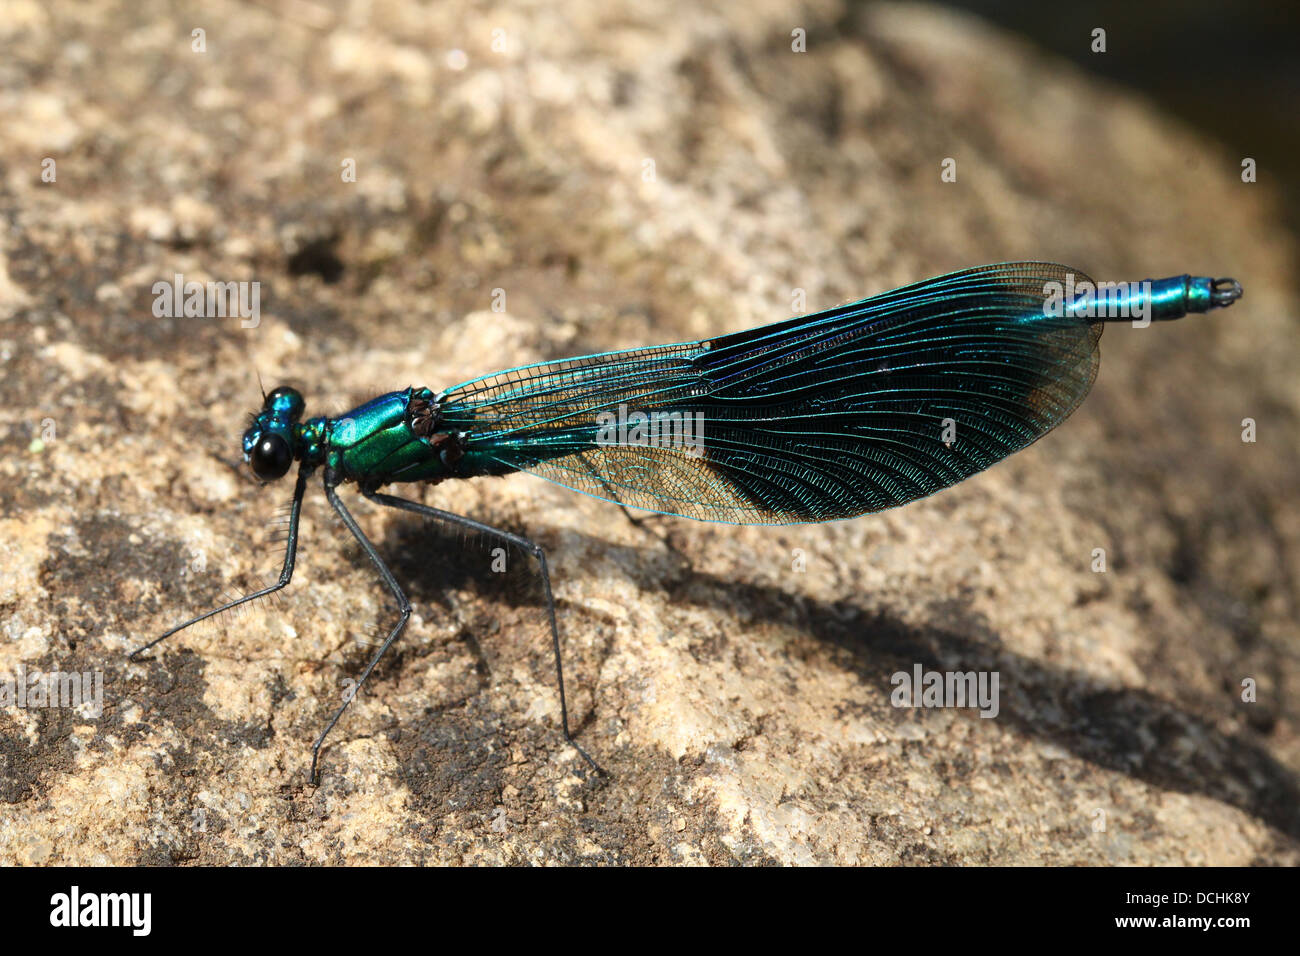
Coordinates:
column 395, row 437
column 401, row 436
column 389, row 438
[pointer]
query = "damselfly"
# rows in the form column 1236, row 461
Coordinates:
column 853, row 410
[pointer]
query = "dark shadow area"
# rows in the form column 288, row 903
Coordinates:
column 1173, row 746
column 319, row 258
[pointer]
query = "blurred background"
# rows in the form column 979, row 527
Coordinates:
column 1231, row 71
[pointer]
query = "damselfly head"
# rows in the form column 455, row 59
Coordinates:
column 269, row 441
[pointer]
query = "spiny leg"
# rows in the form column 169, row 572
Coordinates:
column 536, row 551
column 286, row 572
column 403, row 605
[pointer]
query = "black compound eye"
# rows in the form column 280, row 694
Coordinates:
column 270, row 457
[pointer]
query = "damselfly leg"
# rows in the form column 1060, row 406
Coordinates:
column 403, row 606
column 532, row 548
column 286, row 572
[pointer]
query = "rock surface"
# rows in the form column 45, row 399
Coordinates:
column 624, row 178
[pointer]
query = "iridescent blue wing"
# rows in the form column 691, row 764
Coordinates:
column 860, row 408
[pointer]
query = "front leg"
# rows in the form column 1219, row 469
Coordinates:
column 403, row 606
column 286, row 572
